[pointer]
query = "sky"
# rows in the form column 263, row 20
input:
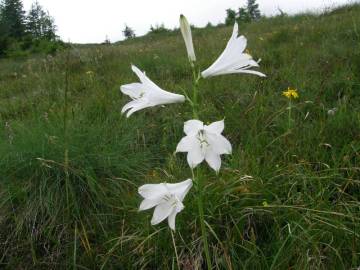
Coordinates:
column 91, row 21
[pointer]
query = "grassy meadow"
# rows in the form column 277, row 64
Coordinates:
column 287, row 198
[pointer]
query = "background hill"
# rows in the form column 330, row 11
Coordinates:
column 70, row 164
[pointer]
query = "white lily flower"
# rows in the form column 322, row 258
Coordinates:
column 166, row 198
column 233, row 60
column 204, row 142
column 186, row 33
column 146, row 94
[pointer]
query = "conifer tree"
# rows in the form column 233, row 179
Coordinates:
column 128, row 32
column 253, row 10
column 3, row 34
column 230, row 16
column 48, row 27
column 13, row 19
column 21, row 33
column 40, row 24
column 243, row 15
column 33, row 20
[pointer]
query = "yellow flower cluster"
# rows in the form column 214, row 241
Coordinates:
column 291, row 93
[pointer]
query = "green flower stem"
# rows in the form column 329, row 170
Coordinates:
column 289, row 120
column 65, row 122
column 194, row 102
column 199, row 190
column 194, row 105
column 175, row 249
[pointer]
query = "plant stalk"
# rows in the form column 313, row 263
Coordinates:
column 65, row 126
column 175, row 249
column 202, row 219
column 194, row 105
column 289, row 120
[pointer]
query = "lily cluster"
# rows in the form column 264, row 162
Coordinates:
column 202, row 142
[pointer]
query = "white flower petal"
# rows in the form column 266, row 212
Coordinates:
column 141, row 75
column 241, row 61
column 153, row 191
column 131, row 104
column 195, row 156
column 241, row 43
column 147, row 83
column 187, row 143
column 234, row 49
column 213, row 159
column 171, row 220
column 138, row 107
column 250, row 72
column 235, row 31
column 219, row 144
column 134, row 90
column 192, row 127
column 180, row 189
column 149, row 203
column 216, row 127
column 234, row 46
column 162, row 211
column 162, row 97
column 252, row 62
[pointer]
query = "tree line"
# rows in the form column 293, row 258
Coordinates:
column 246, row 14
column 22, row 33
column 35, row 31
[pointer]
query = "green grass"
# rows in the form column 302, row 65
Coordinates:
column 285, row 199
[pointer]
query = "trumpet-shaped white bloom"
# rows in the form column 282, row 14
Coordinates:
column 146, row 94
column 233, row 60
column 186, row 33
column 204, row 142
column 166, row 198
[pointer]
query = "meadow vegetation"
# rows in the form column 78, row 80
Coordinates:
column 287, row 198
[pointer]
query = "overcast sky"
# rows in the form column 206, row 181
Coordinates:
column 90, row 21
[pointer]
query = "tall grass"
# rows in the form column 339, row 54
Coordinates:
column 286, row 199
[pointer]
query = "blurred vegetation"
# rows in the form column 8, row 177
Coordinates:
column 248, row 13
column 24, row 34
column 285, row 199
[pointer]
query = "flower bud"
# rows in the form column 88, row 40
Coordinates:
column 186, row 32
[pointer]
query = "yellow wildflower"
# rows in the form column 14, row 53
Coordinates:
column 89, row 72
column 291, row 93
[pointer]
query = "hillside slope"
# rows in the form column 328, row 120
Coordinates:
column 287, row 197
